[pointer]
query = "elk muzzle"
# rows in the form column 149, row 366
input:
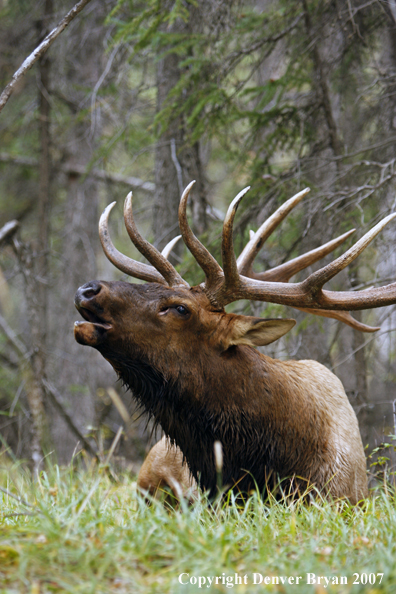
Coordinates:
column 93, row 331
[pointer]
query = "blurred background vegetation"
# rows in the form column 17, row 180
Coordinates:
column 147, row 95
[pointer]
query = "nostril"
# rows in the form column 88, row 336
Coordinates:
column 90, row 289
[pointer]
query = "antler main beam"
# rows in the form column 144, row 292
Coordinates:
column 296, row 295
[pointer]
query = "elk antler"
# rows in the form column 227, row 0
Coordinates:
column 169, row 246
column 257, row 239
column 171, row 276
column 236, row 280
column 309, row 293
column 162, row 271
column 207, row 262
column 285, row 271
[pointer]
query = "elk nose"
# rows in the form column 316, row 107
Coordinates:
column 87, row 291
column 90, row 289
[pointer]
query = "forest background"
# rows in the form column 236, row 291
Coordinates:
column 147, row 96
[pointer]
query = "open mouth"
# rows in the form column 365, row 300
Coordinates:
column 92, row 318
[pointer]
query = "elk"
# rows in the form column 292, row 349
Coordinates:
column 194, row 369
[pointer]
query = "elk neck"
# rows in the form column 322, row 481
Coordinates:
column 252, row 421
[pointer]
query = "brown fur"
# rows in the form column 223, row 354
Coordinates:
column 200, row 379
column 164, row 467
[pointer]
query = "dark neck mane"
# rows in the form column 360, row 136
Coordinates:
column 249, row 456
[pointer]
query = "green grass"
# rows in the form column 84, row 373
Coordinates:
column 83, row 532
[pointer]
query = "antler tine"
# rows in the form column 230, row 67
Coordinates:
column 285, row 271
column 207, row 262
column 230, row 268
column 256, row 241
column 169, row 246
column 317, row 279
column 171, row 276
column 341, row 316
column 127, row 265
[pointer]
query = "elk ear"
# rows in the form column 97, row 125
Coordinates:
column 258, row 332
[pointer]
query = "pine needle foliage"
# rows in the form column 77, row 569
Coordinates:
column 254, row 79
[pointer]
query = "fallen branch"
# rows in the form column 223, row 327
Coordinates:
column 50, row 390
column 40, row 51
column 8, row 230
column 54, row 396
column 13, row 339
column 113, row 445
column 133, row 182
column 19, row 499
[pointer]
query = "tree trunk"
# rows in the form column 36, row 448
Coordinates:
column 168, row 170
column 37, row 270
column 361, row 386
column 176, row 162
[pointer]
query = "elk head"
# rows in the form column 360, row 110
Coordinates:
column 158, row 323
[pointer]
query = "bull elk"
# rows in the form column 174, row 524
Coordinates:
column 194, row 369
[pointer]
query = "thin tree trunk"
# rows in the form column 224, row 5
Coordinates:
column 324, row 92
column 33, row 369
column 361, row 386
column 37, row 271
column 76, row 373
column 168, row 170
column 176, row 163
column 194, row 170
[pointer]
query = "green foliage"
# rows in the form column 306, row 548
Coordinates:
column 9, row 382
column 216, row 87
column 381, row 456
column 145, row 19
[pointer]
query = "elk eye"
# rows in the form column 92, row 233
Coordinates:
column 183, row 311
